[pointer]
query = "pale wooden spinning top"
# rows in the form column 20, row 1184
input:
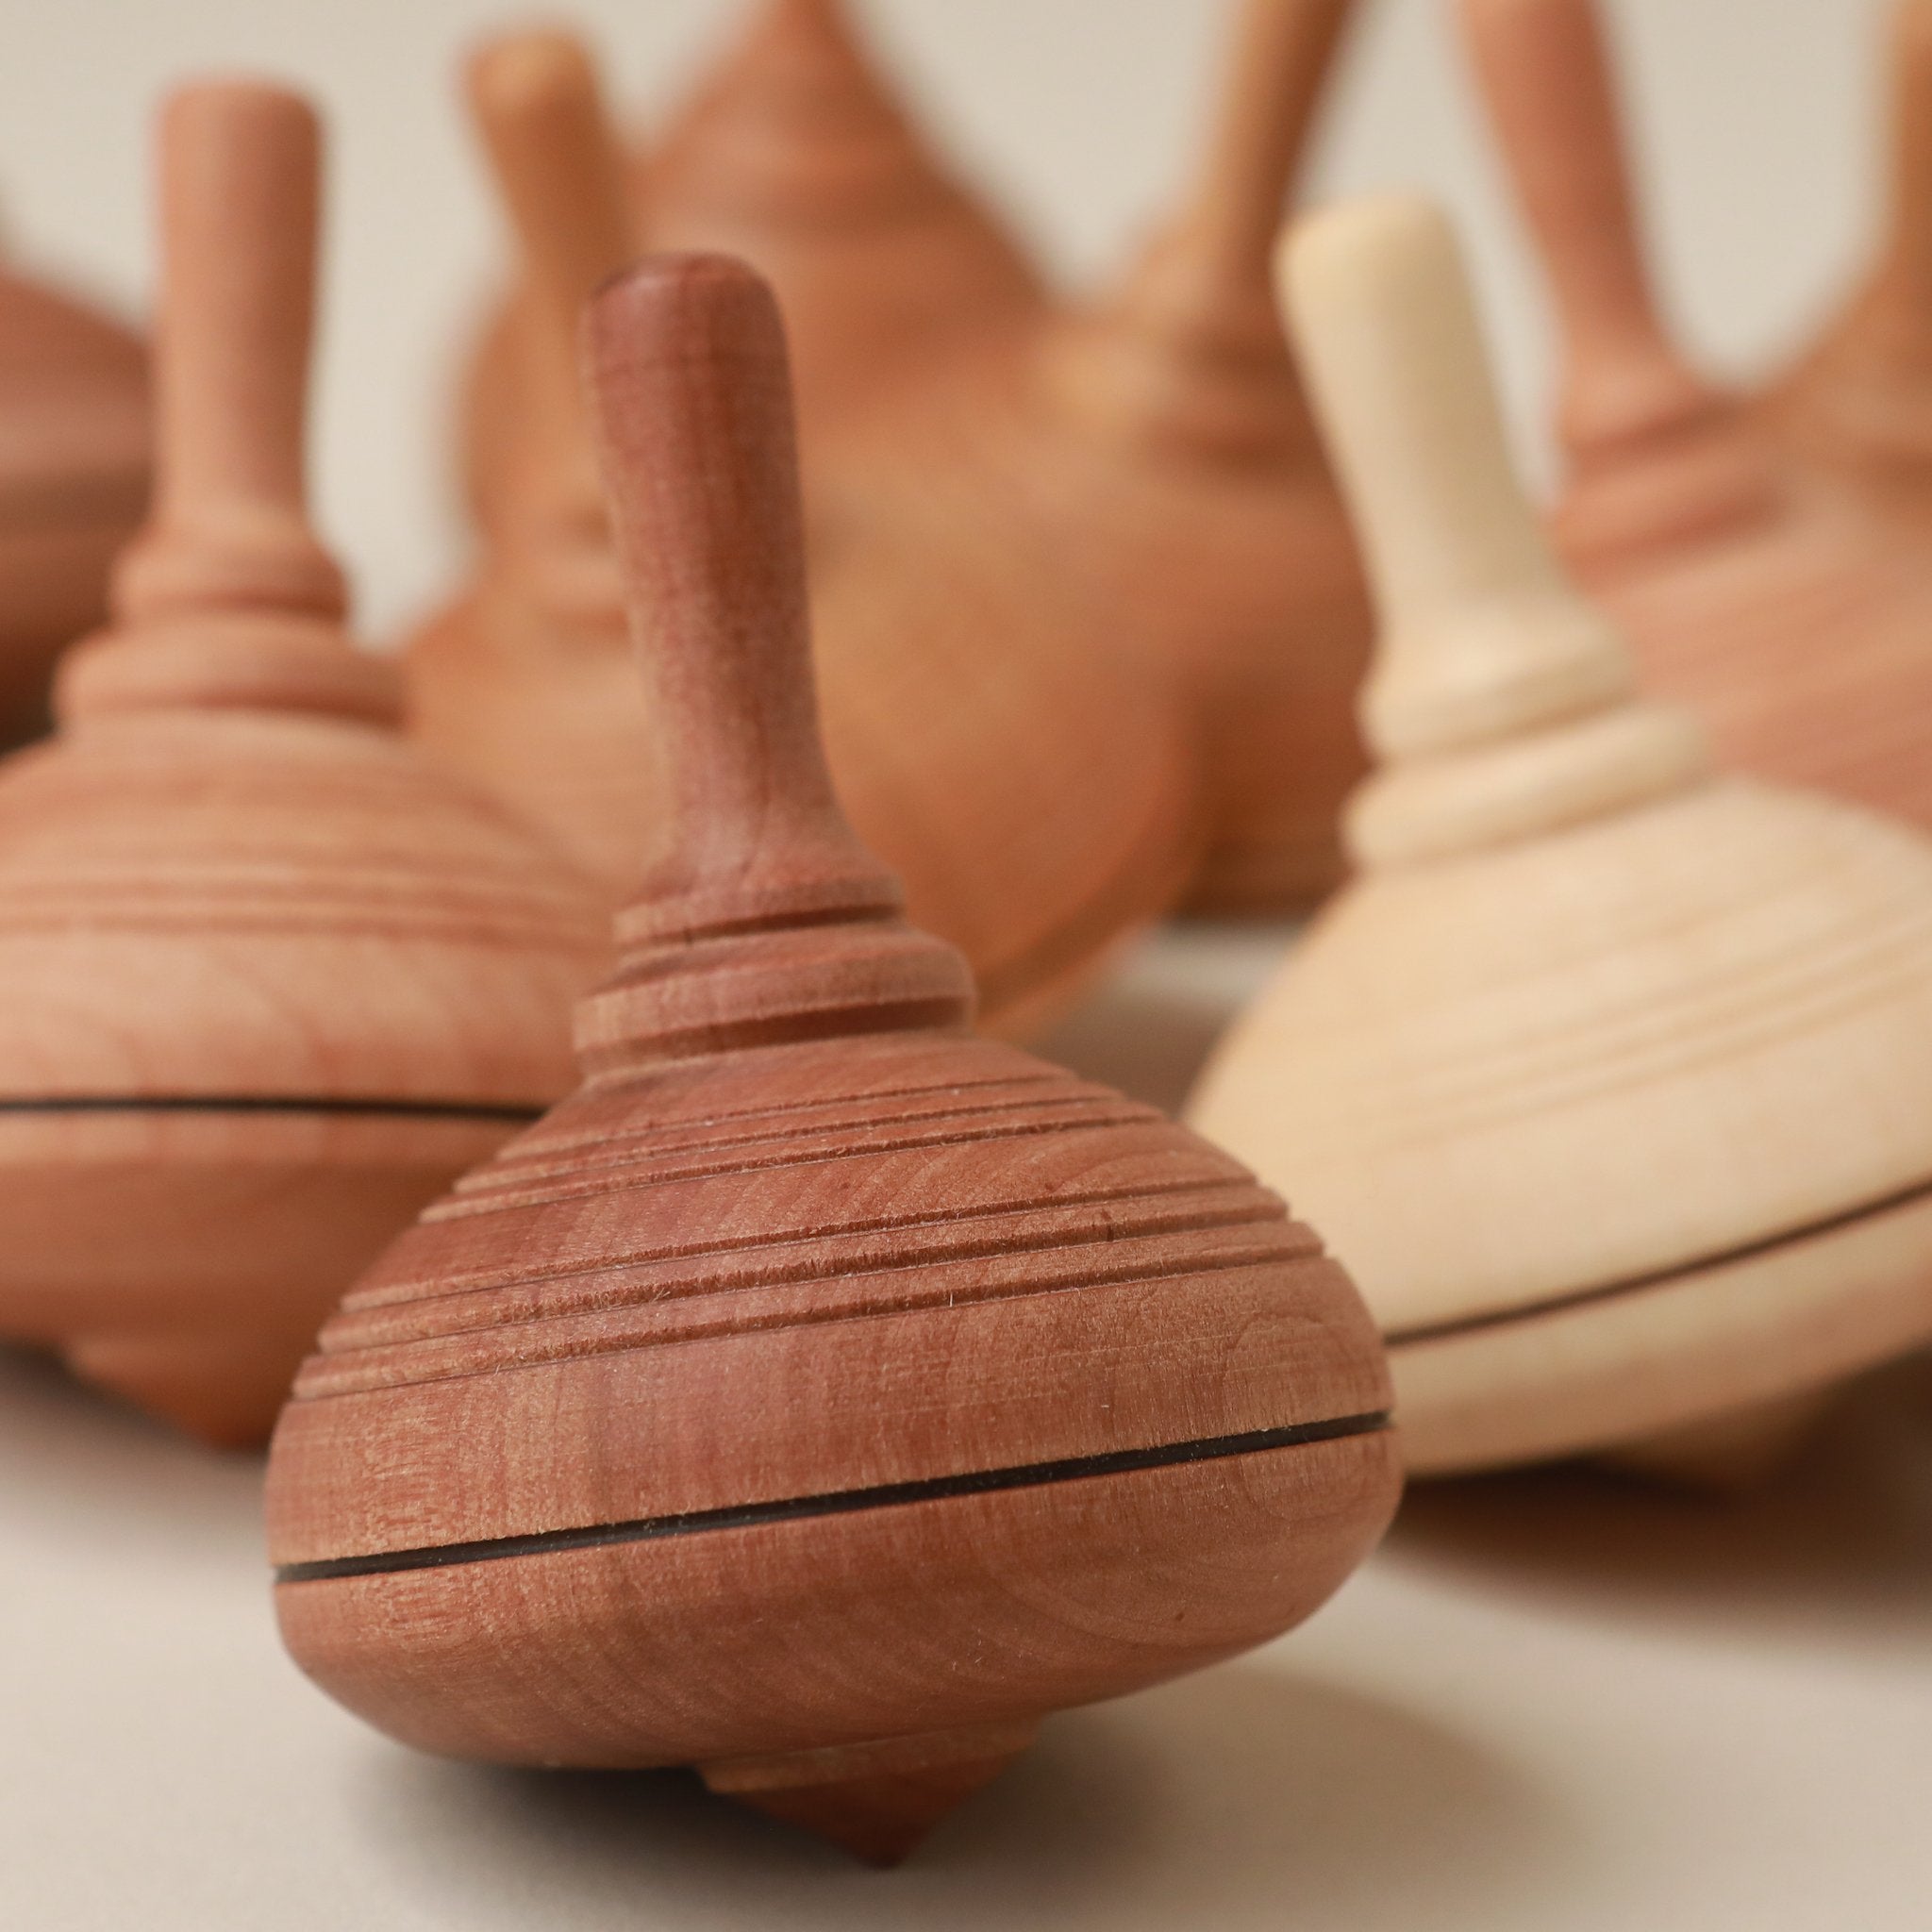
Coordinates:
column 73, row 480
column 1607, row 1077
column 269, row 982
column 1792, row 623
column 1131, row 482
column 821, row 1395
column 1032, row 789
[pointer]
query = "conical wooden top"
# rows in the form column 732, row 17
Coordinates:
column 268, row 981
column 1033, row 815
column 1598, row 1076
column 1107, row 528
column 821, row 1394
column 795, row 155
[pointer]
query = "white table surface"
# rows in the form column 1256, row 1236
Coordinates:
column 1556, row 1702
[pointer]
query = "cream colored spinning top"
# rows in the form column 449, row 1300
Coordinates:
column 1609, row 1078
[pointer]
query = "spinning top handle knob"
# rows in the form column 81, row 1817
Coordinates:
column 239, row 166
column 686, row 364
column 535, row 100
column 1545, row 74
column 1503, row 700
column 1278, row 66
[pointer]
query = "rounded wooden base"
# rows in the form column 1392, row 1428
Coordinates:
column 1676, row 1358
column 217, row 1240
column 878, row 1800
column 777, row 1653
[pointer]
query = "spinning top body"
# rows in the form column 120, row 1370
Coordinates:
column 270, row 980
column 73, row 478
column 821, row 1395
column 1033, row 791
column 1130, row 489
column 1790, row 619
column 1605, row 1075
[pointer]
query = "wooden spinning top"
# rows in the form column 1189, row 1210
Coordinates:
column 1167, row 451
column 795, row 154
column 1131, row 486
column 74, row 477
column 269, row 982
column 1795, row 624
column 1032, row 789
column 525, row 682
column 1606, row 1076
column 821, row 1395
column 1858, row 402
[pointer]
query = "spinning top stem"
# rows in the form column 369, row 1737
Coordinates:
column 240, row 188
column 688, row 355
column 1659, row 455
column 1500, row 700
column 1546, row 73
column 1277, row 70
column 1901, row 291
column 560, row 169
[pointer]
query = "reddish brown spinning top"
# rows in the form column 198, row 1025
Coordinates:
column 73, row 475
column 1030, row 787
column 267, row 982
column 1858, row 402
column 1132, row 487
column 1750, row 589
column 821, row 1395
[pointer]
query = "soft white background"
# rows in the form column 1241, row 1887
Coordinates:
column 1756, row 113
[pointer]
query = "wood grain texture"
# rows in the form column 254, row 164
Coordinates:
column 822, row 1395
column 73, row 480
column 271, row 981
column 1750, row 586
column 1125, row 485
column 1604, row 1077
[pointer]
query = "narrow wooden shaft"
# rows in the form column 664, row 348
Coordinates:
column 1904, row 285
column 537, row 105
column 1387, row 330
column 1277, row 65
column 239, row 208
column 1547, row 76
column 687, row 358
column 1500, row 701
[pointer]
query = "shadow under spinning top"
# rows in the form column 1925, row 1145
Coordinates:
column 1606, row 1076
column 269, row 981
column 1751, row 587
column 73, row 480
column 821, row 1395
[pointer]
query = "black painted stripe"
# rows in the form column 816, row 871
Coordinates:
column 837, row 1503
column 1662, row 1278
column 272, row 1103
